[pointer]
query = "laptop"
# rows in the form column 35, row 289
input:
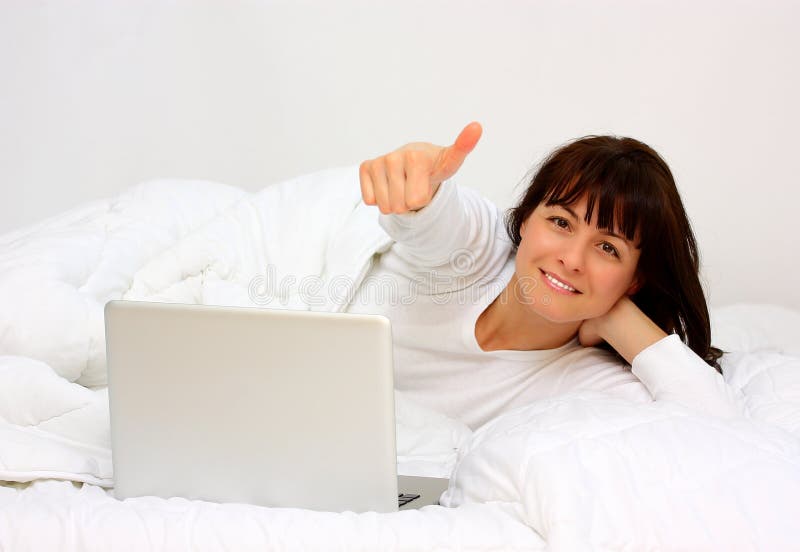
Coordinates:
column 262, row 406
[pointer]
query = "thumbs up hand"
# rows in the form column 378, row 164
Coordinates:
column 408, row 178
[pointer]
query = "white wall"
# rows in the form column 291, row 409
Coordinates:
column 97, row 95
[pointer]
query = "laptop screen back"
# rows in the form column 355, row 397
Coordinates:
column 270, row 407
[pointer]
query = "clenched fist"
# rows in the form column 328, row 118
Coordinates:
column 407, row 178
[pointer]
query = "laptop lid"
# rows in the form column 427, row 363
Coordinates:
column 262, row 406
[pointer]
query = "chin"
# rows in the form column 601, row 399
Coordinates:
column 556, row 315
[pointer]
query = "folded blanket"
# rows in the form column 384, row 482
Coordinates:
column 181, row 241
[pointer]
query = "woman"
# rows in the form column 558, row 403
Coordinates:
column 598, row 252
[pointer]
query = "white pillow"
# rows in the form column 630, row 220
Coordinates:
column 751, row 327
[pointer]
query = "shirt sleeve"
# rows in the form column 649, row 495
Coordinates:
column 671, row 371
column 459, row 234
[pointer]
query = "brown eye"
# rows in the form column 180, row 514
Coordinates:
column 560, row 222
column 610, row 249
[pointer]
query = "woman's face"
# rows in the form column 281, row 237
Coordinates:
column 568, row 270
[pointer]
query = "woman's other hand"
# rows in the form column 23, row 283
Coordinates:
column 625, row 327
column 589, row 332
column 408, row 178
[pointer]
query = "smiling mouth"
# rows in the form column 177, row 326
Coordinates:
column 558, row 284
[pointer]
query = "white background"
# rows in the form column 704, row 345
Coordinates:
column 97, row 95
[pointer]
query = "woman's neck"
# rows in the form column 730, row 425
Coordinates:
column 508, row 325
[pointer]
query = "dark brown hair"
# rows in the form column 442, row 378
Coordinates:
column 635, row 194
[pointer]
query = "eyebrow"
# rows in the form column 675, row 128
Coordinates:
column 606, row 232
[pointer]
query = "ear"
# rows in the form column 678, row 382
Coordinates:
column 635, row 286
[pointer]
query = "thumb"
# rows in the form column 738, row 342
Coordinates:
column 452, row 157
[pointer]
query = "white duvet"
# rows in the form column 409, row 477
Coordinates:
column 578, row 472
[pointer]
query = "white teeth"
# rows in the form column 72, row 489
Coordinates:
column 559, row 283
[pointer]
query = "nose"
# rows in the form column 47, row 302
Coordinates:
column 572, row 256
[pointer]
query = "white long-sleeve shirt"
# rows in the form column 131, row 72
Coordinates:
column 450, row 260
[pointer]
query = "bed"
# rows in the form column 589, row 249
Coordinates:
column 585, row 471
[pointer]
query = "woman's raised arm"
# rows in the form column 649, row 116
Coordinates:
column 440, row 229
column 408, row 178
